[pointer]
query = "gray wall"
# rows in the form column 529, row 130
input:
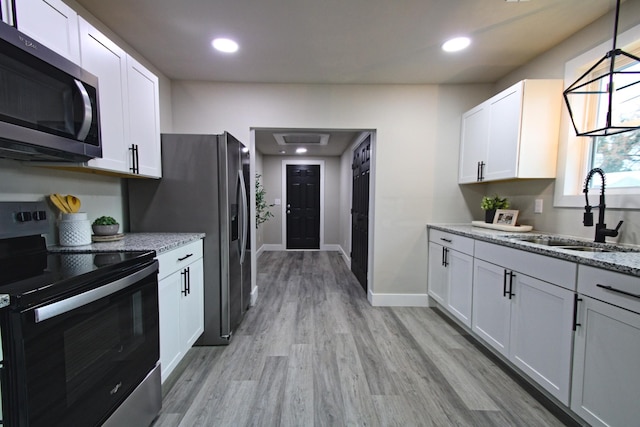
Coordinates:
column 417, row 138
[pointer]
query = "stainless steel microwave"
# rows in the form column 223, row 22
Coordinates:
column 48, row 104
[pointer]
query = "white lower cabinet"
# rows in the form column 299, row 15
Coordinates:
column 451, row 273
column 606, row 363
column 527, row 320
column 181, row 303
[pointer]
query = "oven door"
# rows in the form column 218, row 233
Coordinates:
column 82, row 356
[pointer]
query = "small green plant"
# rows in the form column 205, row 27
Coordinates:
column 105, row 220
column 262, row 207
column 494, row 202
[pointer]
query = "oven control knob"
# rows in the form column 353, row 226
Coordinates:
column 23, row 216
column 39, row 215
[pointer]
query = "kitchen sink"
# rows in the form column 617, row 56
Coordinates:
column 575, row 244
column 548, row 241
column 587, row 249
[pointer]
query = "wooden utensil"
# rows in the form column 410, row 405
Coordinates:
column 56, row 202
column 73, row 202
column 63, row 202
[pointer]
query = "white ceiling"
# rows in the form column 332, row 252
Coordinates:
column 344, row 41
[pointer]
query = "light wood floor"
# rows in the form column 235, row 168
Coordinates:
column 313, row 352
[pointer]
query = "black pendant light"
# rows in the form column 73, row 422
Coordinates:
column 604, row 83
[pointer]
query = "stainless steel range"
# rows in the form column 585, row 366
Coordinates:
column 80, row 338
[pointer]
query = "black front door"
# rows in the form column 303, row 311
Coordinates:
column 360, row 212
column 303, row 206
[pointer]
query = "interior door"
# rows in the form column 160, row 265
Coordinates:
column 303, row 206
column 360, row 211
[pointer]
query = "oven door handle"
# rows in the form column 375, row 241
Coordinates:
column 76, row 301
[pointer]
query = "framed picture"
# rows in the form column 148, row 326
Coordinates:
column 505, row 217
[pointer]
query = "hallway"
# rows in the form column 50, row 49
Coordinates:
column 314, row 352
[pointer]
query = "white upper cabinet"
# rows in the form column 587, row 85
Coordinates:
column 103, row 58
column 513, row 134
column 51, row 22
column 144, row 119
column 128, row 96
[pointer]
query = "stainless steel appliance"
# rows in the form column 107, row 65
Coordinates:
column 48, row 105
column 203, row 189
column 80, row 335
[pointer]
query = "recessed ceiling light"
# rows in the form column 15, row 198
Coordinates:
column 283, row 152
column 456, row 44
column 301, row 150
column 225, row 45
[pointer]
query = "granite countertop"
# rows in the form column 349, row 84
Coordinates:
column 626, row 259
column 158, row 242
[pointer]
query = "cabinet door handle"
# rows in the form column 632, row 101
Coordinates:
column 183, row 291
column 504, row 283
column 443, row 256
column 134, row 159
column 511, row 276
column 619, row 291
column 478, row 173
column 185, row 257
column 446, row 257
column 576, row 299
column 188, row 280
column 446, row 240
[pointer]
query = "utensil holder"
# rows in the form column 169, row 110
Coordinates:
column 74, row 229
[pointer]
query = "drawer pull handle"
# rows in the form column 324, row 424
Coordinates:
column 609, row 288
column 446, row 240
column 185, row 257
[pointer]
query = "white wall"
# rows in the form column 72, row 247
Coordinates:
column 417, row 127
column 551, row 65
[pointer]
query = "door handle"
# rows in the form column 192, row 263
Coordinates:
column 511, row 276
column 88, row 112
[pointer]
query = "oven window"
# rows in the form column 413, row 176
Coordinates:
column 80, row 365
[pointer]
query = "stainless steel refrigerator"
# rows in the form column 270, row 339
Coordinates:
column 204, row 189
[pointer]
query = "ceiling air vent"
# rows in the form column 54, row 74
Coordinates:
column 301, row 138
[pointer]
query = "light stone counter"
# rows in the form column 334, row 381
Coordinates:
column 625, row 259
column 158, row 242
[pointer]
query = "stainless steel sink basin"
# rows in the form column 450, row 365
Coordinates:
column 575, row 244
column 586, row 249
column 548, row 241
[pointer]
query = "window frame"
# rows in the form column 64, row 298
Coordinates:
column 574, row 152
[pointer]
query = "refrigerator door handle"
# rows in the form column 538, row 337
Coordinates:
column 245, row 216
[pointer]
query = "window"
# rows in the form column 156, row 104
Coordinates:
column 618, row 155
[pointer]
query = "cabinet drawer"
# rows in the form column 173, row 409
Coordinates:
column 452, row 241
column 608, row 286
column 178, row 258
column 552, row 270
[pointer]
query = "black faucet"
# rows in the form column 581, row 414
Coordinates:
column 601, row 228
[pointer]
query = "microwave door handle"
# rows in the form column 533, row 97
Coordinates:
column 88, row 112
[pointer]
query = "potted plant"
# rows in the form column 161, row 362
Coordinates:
column 262, row 207
column 105, row 226
column 490, row 204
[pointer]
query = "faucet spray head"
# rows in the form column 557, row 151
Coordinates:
column 587, row 218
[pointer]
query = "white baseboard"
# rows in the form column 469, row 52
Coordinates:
column 398, row 300
column 346, row 257
column 259, row 251
column 254, row 296
column 272, row 247
column 330, row 248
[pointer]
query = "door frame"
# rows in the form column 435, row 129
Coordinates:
column 286, row 162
